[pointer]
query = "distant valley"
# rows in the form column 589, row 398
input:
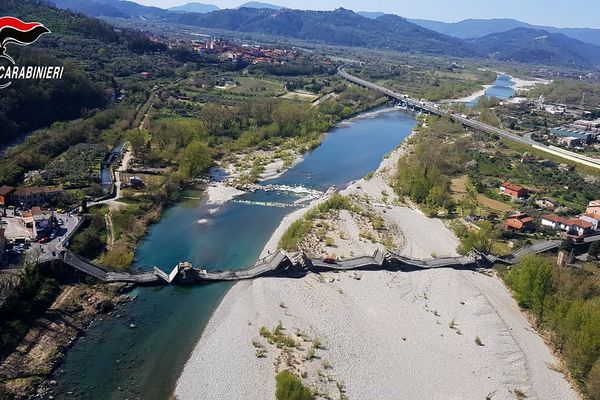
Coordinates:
column 497, row 39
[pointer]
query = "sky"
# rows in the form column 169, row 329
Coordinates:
column 559, row 13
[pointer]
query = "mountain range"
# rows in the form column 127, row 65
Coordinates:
column 199, row 8
column 371, row 30
column 475, row 28
column 339, row 27
column 536, row 46
column 202, row 8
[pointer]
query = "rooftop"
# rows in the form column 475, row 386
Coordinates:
column 567, row 221
column 4, row 190
column 512, row 186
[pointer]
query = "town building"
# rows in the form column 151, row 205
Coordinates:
column 593, row 207
column 563, row 132
column 547, row 203
column 570, row 226
column 26, row 196
column 44, row 222
column 571, row 141
column 5, row 192
column 593, row 219
column 514, row 191
column 519, row 222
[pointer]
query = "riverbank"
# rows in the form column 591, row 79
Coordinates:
column 370, row 347
column 527, row 84
column 271, row 165
column 519, row 84
column 472, row 97
column 367, row 345
column 351, row 233
column 24, row 372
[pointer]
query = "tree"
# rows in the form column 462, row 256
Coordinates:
column 593, row 381
column 470, row 201
column 532, row 281
column 481, row 240
column 139, row 140
column 197, row 158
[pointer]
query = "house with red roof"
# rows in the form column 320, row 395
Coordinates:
column 514, row 191
column 593, row 219
column 519, row 222
column 570, row 226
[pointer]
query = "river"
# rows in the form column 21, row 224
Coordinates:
column 502, row 88
column 141, row 352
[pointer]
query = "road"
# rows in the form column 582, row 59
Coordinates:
column 437, row 109
column 41, row 252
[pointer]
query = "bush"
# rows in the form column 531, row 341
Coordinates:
column 290, row 387
column 292, row 236
column 593, row 381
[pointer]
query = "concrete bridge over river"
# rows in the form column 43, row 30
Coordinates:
column 437, row 109
column 281, row 264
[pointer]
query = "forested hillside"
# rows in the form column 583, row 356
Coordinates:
column 95, row 56
column 340, row 27
column 535, row 46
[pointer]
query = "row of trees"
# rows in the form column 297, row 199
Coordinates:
column 193, row 143
column 424, row 175
column 567, row 301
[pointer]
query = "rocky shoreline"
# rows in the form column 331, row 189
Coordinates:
column 28, row 371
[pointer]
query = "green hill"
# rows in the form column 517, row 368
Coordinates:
column 96, row 58
column 340, row 27
column 536, row 46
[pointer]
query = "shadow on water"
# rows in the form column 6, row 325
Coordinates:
column 118, row 360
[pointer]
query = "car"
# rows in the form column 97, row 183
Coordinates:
column 45, row 239
column 330, row 260
column 52, row 236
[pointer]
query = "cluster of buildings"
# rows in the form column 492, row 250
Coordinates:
column 576, row 227
column 18, row 229
column 234, row 52
column 22, row 220
column 26, row 197
column 579, row 134
column 27, row 226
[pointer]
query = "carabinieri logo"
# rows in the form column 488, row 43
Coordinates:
column 15, row 31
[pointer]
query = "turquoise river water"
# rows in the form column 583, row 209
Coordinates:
column 140, row 353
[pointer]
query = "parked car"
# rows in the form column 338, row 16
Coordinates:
column 45, row 239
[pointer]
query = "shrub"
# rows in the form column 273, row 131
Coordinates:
column 290, row 387
column 292, row 236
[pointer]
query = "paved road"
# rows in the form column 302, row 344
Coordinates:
column 42, row 252
column 435, row 108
